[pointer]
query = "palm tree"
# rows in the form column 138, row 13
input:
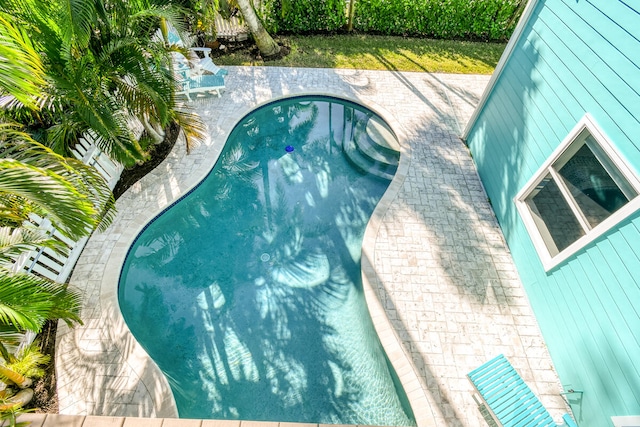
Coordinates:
column 26, row 76
column 102, row 70
column 28, row 301
column 35, row 180
column 268, row 47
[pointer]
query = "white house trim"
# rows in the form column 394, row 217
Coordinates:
column 536, row 233
column 513, row 40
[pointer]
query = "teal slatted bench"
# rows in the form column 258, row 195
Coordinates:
column 507, row 399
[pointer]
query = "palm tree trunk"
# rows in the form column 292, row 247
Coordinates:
column 352, row 10
column 266, row 44
column 16, row 378
column 5, row 391
column 156, row 135
column 20, row 399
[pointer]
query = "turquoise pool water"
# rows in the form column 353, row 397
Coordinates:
column 247, row 292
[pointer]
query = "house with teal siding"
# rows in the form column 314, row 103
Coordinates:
column 556, row 140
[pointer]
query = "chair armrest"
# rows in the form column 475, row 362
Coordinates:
column 205, row 50
column 181, row 73
column 568, row 421
column 182, row 77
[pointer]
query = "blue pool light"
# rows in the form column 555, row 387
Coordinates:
column 289, row 148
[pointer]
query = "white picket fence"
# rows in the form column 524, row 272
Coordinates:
column 52, row 265
column 231, row 29
column 87, row 150
column 45, row 262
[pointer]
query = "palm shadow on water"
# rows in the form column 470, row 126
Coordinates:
column 249, row 296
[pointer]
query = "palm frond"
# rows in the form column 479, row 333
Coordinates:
column 70, row 210
column 80, row 16
column 88, row 185
column 98, row 192
column 105, row 117
column 139, row 87
column 195, row 131
column 15, row 241
column 29, row 361
column 153, row 13
column 63, row 136
column 10, row 340
column 21, row 71
column 27, row 301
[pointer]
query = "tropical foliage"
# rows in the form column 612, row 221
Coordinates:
column 34, row 181
column 70, row 68
column 25, row 78
column 26, row 303
column 451, row 19
column 17, row 372
column 102, row 70
column 304, row 16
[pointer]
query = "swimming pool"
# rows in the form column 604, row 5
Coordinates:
column 247, row 292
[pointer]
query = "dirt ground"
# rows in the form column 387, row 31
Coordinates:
column 132, row 175
column 45, row 397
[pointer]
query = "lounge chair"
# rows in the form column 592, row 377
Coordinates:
column 195, row 60
column 506, row 400
column 194, row 80
column 202, row 66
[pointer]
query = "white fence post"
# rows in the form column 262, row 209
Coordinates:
column 87, row 150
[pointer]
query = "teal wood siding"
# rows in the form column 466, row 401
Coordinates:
column 573, row 57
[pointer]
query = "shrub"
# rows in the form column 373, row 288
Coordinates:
column 492, row 20
column 447, row 19
column 303, row 16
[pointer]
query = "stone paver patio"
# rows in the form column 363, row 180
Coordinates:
column 439, row 280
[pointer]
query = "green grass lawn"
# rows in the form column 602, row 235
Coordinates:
column 372, row 52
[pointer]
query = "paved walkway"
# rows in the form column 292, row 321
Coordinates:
column 439, row 280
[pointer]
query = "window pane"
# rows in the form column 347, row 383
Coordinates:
column 593, row 189
column 553, row 216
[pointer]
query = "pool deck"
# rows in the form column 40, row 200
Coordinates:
column 439, row 279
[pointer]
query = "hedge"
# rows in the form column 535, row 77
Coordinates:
column 304, row 16
column 445, row 19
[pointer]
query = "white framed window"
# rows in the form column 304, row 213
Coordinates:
column 580, row 192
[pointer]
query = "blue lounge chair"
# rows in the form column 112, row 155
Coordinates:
column 507, row 399
column 199, row 58
column 193, row 80
column 173, row 38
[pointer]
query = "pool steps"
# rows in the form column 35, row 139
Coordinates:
column 372, row 149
